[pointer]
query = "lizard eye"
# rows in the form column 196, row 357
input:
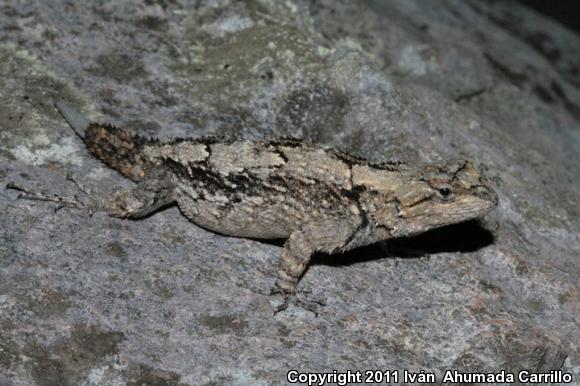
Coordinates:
column 445, row 193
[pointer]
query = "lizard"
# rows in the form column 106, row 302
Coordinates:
column 318, row 198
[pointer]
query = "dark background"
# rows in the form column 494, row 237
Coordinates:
column 566, row 12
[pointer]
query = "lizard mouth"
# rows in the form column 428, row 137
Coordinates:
column 488, row 194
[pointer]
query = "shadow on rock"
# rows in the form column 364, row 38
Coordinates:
column 468, row 236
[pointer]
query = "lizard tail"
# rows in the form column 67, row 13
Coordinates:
column 119, row 149
column 75, row 119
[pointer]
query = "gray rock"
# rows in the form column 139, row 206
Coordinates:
column 96, row 300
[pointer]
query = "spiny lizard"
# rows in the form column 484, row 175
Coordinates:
column 319, row 199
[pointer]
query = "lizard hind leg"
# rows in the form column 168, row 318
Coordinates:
column 154, row 191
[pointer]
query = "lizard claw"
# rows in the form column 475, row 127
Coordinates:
column 276, row 290
column 62, row 202
column 87, row 203
column 312, row 305
column 71, row 177
column 283, row 306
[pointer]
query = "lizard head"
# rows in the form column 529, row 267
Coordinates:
column 438, row 195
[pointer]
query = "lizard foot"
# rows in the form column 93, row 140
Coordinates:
column 311, row 304
column 62, row 202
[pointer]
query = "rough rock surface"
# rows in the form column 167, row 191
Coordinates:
column 101, row 301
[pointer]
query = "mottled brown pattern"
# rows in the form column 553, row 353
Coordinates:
column 118, row 149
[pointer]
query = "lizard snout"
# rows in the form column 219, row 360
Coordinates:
column 488, row 194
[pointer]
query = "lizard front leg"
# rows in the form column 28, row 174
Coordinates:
column 302, row 244
column 296, row 255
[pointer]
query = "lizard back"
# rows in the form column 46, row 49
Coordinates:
column 262, row 189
